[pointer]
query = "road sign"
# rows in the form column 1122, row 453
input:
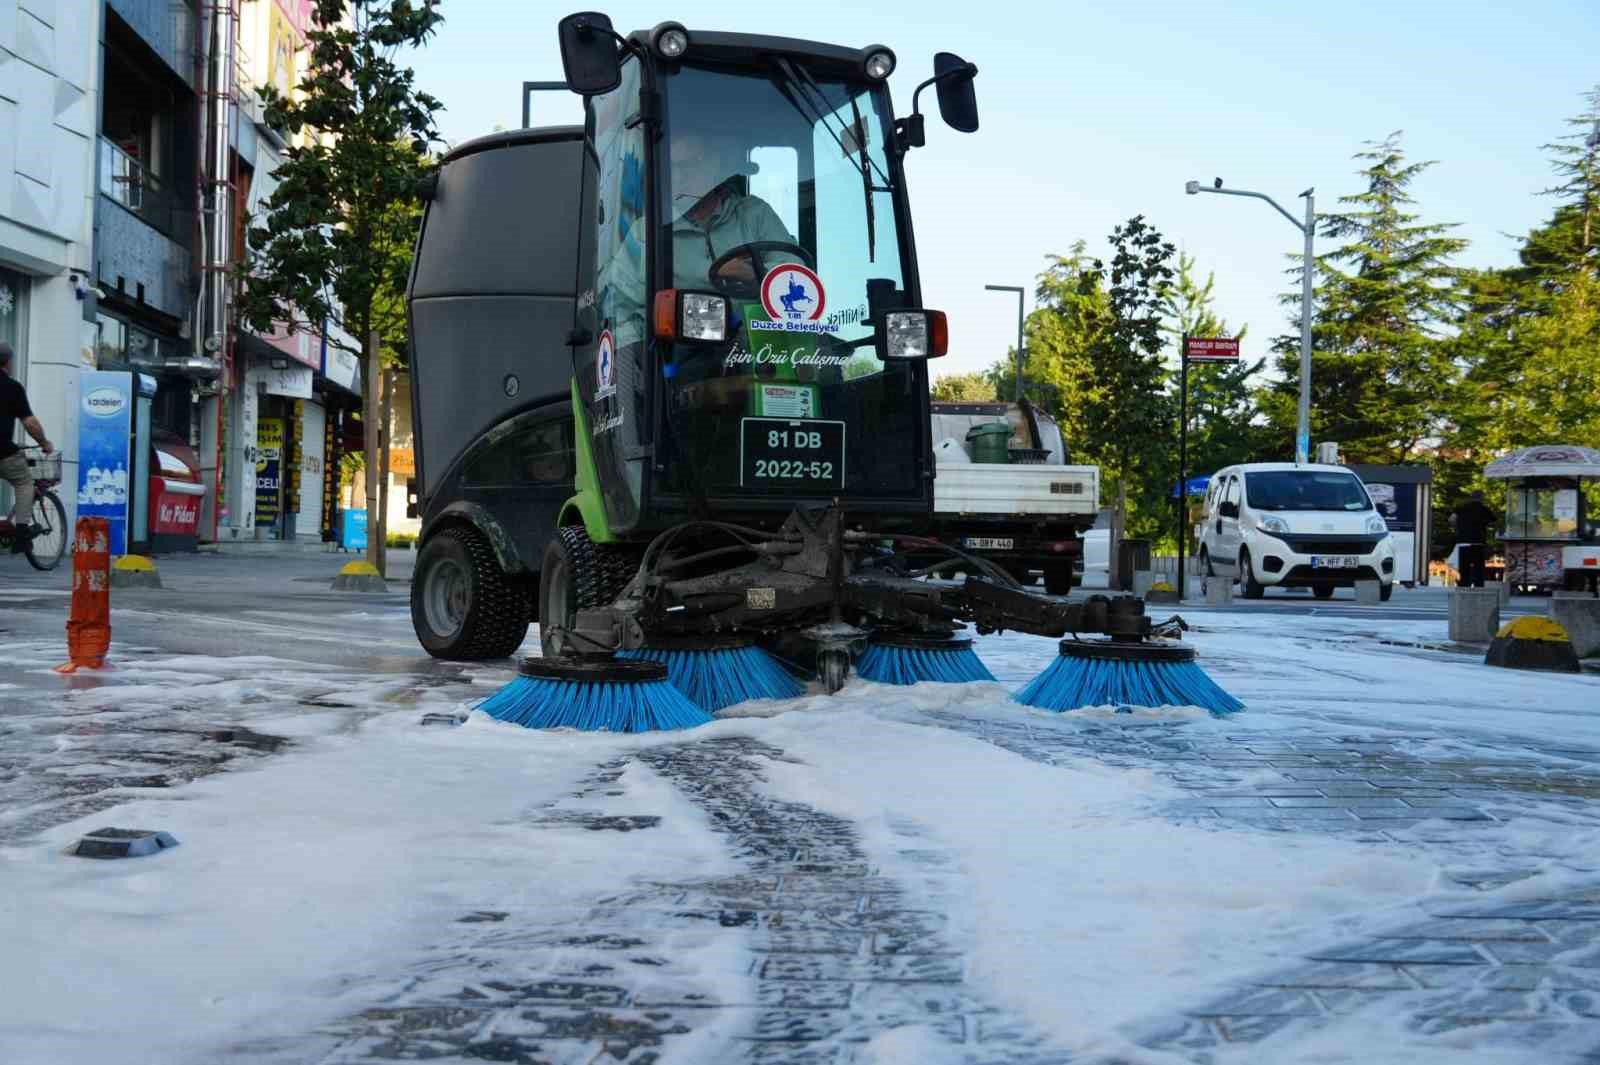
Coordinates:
column 1211, row 349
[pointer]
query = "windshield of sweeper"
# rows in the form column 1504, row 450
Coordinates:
column 776, row 193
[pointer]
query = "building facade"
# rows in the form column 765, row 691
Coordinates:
column 49, row 109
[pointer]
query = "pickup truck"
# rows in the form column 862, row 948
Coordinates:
column 1027, row 512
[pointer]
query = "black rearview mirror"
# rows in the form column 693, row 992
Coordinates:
column 958, row 100
column 589, row 53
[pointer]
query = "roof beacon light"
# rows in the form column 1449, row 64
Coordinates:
column 879, row 63
column 670, row 40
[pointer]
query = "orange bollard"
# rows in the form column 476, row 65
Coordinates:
column 89, row 624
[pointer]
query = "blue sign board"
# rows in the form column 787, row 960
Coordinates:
column 353, row 536
column 1197, row 486
column 104, row 428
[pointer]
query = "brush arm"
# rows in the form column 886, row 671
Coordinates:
column 992, row 608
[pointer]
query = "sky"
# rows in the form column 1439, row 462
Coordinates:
column 1094, row 112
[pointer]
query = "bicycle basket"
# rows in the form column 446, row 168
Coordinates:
column 42, row 467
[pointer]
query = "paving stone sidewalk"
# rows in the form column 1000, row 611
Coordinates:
column 1519, row 978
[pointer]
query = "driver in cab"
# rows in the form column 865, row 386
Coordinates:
column 713, row 213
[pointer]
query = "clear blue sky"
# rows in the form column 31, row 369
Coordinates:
column 1092, row 112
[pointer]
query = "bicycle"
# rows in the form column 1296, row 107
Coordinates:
column 49, row 518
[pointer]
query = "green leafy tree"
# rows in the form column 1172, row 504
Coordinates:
column 1381, row 370
column 1529, row 336
column 964, row 387
column 1127, row 412
column 1070, row 309
column 335, row 240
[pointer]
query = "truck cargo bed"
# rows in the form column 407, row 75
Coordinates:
column 1022, row 490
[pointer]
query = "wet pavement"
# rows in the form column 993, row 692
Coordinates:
column 837, row 964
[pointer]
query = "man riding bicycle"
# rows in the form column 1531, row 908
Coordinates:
column 13, row 466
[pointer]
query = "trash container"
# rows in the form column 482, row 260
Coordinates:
column 1132, row 556
column 990, row 442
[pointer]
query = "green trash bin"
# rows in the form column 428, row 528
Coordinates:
column 990, row 442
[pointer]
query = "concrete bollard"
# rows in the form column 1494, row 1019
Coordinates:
column 1369, row 593
column 1142, row 580
column 1533, row 643
column 1474, row 614
column 1579, row 614
column 1219, row 591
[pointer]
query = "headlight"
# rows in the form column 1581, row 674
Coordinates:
column 1376, row 524
column 703, row 317
column 879, row 63
column 913, row 335
column 1268, row 523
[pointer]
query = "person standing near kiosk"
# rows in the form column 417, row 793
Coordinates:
column 1472, row 521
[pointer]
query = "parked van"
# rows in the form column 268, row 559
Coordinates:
column 1278, row 525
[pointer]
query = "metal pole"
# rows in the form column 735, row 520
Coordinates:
column 1307, row 284
column 1018, row 398
column 1183, row 459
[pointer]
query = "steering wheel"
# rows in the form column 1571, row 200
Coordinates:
column 749, row 288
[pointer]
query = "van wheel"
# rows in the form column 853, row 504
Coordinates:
column 1058, row 577
column 463, row 606
column 1247, row 578
column 1205, row 563
column 1323, row 591
column 1386, row 592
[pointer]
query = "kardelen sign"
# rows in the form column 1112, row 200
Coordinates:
column 1211, row 349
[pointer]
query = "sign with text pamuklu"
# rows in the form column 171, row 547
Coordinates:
column 1211, row 349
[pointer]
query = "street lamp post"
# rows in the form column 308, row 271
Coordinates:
column 1302, row 439
column 1020, row 292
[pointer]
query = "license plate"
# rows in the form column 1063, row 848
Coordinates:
column 988, row 543
column 791, row 452
column 1334, row 561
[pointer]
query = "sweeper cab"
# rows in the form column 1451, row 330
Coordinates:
column 670, row 371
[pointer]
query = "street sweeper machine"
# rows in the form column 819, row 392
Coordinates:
column 670, row 391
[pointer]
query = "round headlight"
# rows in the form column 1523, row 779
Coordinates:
column 671, row 40
column 879, row 64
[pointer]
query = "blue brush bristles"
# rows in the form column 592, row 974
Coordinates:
column 889, row 663
column 718, row 677
column 594, row 706
column 1071, row 683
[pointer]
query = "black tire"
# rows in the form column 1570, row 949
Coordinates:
column 1205, row 563
column 49, row 542
column 581, row 575
column 1386, row 592
column 1323, row 591
column 463, row 605
column 1247, row 578
column 1058, row 577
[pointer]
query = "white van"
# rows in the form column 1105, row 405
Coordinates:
column 1278, row 525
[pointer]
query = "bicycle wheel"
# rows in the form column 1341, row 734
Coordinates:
column 50, row 540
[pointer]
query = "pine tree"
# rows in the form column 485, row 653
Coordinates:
column 1380, row 367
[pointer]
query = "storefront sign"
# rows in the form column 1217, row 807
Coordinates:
column 269, row 470
column 292, row 381
column 342, row 368
column 105, row 418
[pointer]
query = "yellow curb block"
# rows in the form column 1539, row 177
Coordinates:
column 1533, row 628
column 358, row 569
column 134, row 564
column 1162, row 586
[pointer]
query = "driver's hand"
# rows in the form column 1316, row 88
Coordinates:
column 739, row 269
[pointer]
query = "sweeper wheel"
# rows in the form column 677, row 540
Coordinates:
column 578, row 574
column 463, row 606
column 833, row 668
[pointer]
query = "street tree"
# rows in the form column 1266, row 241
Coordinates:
column 1380, row 365
column 334, row 241
column 964, row 387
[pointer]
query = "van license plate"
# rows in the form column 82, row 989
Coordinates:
column 988, row 543
column 1334, row 561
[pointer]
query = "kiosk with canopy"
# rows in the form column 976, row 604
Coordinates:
column 1552, row 522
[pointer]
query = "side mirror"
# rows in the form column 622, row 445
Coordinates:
column 958, row 100
column 1228, row 510
column 589, row 53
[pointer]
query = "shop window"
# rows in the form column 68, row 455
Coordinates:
column 537, row 452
